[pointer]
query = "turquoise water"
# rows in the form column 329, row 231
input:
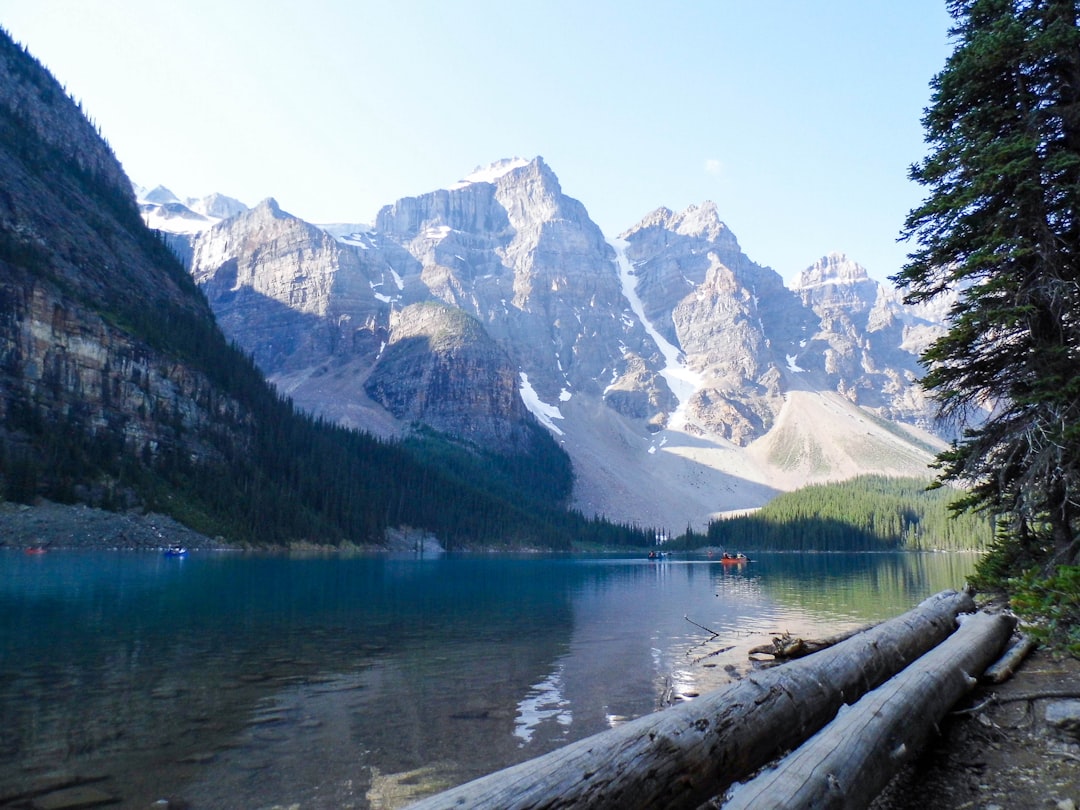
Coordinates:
column 225, row 680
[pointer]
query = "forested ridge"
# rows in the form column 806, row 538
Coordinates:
column 867, row 513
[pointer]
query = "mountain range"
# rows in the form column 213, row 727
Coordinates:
column 118, row 388
column 683, row 379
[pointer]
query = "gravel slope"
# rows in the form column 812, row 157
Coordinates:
column 52, row 525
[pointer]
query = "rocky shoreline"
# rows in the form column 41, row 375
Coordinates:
column 48, row 525
column 58, row 526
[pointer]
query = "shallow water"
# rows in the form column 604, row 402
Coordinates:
column 227, row 680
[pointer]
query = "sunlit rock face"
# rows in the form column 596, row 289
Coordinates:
column 863, row 339
column 508, row 247
column 288, row 292
column 610, row 342
column 732, row 318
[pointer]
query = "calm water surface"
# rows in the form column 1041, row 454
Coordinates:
column 226, row 680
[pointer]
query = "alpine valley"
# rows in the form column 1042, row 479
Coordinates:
column 683, row 379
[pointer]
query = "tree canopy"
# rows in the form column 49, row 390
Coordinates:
column 1001, row 227
column 866, row 513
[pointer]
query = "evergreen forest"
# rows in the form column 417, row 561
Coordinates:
column 1000, row 225
column 868, row 513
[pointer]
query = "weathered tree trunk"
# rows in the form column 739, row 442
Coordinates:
column 848, row 762
column 681, row 756
column 1003, row 669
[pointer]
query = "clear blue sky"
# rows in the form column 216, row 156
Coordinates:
column 798, row 119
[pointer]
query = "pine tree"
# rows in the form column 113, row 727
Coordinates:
column 1001, row 225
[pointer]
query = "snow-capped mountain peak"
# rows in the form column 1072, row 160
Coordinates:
column 164, row 211
column 159, row 195
column 491, row 172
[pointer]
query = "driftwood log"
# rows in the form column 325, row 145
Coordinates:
column 1003, row 669
column 788, row 646
column 682, row 756
column 848, row 762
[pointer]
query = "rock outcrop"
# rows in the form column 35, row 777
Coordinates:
column 287, row 291
column 440, row 368
column 860, row 340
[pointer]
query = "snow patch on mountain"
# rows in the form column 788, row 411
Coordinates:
column 682, row 381
column 176, row 218
column 357, row 234
column 541, row 410
column 490, row 174
column 436, row 233
column 164, row 211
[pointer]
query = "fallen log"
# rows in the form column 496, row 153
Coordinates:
column 847, row 763
column 1003, row 669
column 681, row 756
column 788, row 646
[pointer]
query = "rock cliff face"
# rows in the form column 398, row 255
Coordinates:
column 84, row 295
column 66, row 365
column 440, row 368
column 861, row 340
column 508, row 247
column 288, row 291
column 666, row 343
column 731, row 317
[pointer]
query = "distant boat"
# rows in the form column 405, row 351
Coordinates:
column 732, row 559
column 658, row 555
column 35, row 550
column 175, row 551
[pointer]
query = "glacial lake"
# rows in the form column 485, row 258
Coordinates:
column 226, row 680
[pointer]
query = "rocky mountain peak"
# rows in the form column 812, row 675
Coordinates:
column 659, row 218
column 838, row 285
column 269, row 207
column 700, row 223
column 217, row 206
column 492, row 172
column 834, row 268
column 159, row 195
column 531, row 194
